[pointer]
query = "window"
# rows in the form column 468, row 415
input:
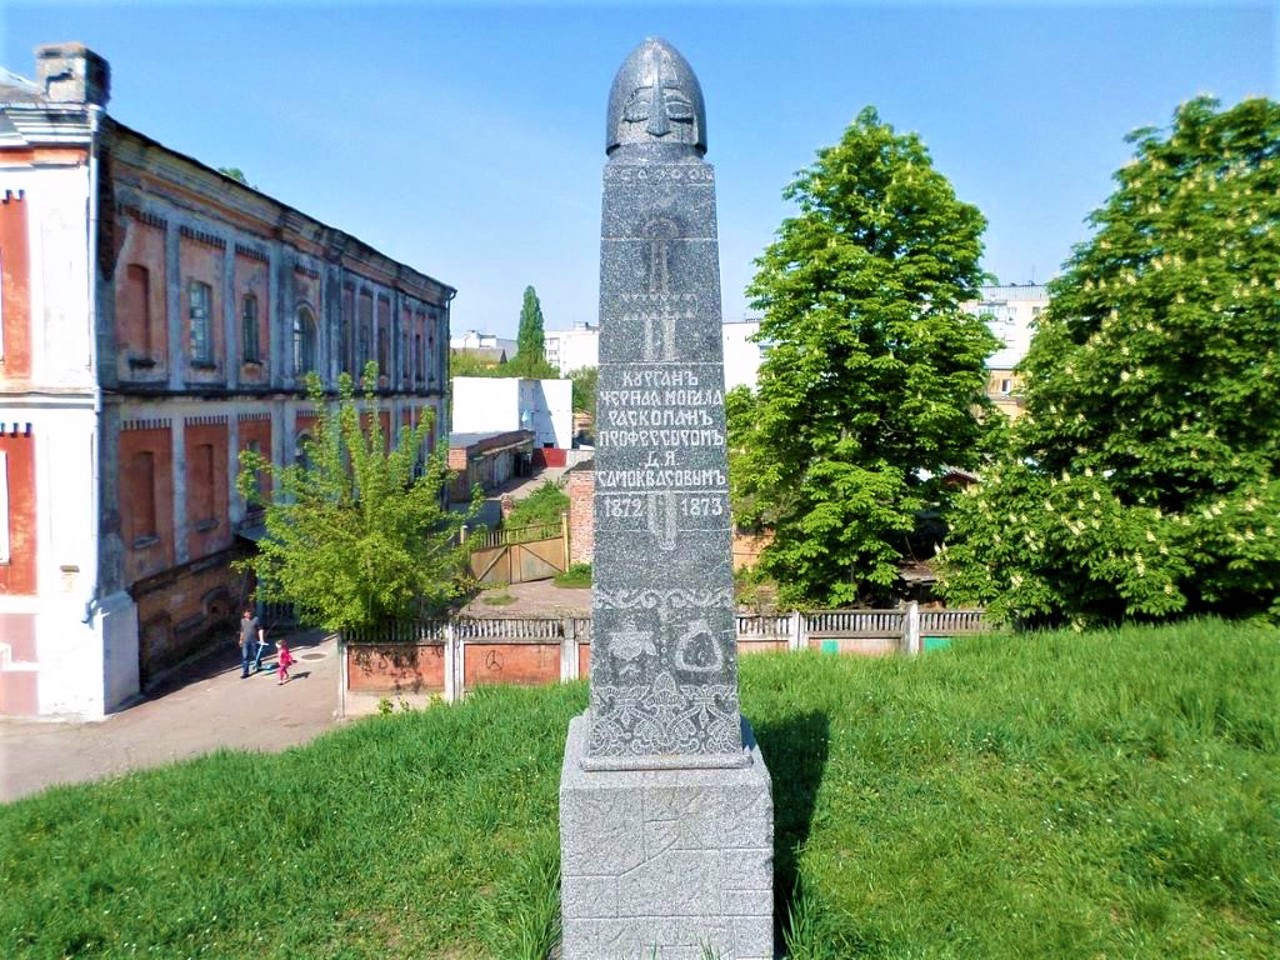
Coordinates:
column 260, row 481
column 304, row 341
column 430, row 358
column 347, row 334
column 249, row 328
column 406, row 361
column 1006, row 387
column 364, row 347
column 142, row 498
column 417, row 352
column 4, row 507
column 201, row 297
column 384, row 340
column 201, row 488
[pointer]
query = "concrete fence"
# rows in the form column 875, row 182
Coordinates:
column 450, row 656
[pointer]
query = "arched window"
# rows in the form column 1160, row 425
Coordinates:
column 300, row 455
column 304, row 341
column 249, row 328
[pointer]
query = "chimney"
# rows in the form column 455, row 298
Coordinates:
column 72, row 73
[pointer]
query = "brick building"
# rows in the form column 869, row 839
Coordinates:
column 157, row 318
column 580, row 486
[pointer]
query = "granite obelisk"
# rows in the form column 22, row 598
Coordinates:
column 665, row 806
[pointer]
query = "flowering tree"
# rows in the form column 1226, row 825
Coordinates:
column 1143, row 478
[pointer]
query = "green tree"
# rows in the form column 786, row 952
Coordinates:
column 1142, row 481
column 531, row 342
column 463, row 363
column 584, row 389
column 358, row 533
column 874, row 372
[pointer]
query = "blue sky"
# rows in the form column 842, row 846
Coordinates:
column 467, row 140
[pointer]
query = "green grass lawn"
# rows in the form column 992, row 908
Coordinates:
column 1108, row 794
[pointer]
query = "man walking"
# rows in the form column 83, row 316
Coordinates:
column 252, row 638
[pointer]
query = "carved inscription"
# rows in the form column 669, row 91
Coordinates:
column 663, row 407
column 669, row 425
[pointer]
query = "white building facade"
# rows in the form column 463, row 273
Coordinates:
column 1011, row 310
column 569, row 350
column 502, row 404
column 474, row 340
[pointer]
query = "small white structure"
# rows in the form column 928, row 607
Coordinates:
column 501, row 404
column 569, row 350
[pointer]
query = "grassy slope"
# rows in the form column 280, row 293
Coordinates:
column 1107, row 794
column 1111, row 794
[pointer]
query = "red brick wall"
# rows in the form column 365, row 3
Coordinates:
column 208, row 523
column 396, row 669
column 521, row 663
column 18, row 576
column 544, row 457
column 15, row 287
column 187, row 610
column 582, row 522
column 146, row 557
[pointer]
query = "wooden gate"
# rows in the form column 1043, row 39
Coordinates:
column 521, row 554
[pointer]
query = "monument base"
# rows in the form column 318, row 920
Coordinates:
column 665, row 864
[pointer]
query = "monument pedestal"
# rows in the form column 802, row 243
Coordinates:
column 665, row 864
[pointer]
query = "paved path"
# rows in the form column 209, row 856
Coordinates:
column 203, row 707
column 539, row 598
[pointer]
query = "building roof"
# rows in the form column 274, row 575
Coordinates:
column 16, row 89
column 467, row 440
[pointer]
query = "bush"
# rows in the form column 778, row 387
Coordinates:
column 544, row 505
column 578, row 575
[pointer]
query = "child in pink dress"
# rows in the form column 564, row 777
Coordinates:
column 284, row 658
